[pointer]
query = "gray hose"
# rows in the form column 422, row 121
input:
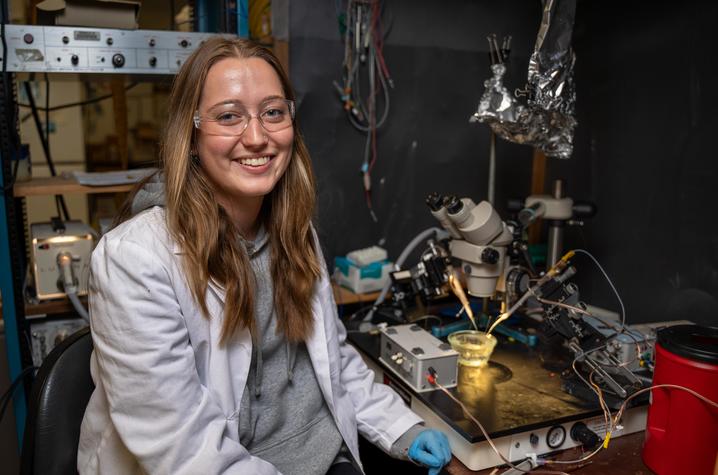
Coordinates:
column 75, row 300
column 422, row 236
column 64, row 262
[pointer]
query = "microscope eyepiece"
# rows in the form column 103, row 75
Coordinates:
column 453, row 204
column 435, row 201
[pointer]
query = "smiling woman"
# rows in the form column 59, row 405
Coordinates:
column 246, row 164
column 217, row 343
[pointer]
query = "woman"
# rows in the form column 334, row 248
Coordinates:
column 217, row 346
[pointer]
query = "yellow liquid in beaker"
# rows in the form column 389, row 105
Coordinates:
column 474, row 347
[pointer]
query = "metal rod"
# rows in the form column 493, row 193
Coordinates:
column 555, row 230
column 492, row 168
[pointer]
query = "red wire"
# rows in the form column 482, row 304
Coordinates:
column 379, row 41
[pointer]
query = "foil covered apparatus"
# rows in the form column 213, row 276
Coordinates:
column 547, row 120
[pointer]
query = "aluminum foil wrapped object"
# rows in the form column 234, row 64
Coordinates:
column 547, row 120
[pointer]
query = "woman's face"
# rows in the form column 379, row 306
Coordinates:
column 243, row 168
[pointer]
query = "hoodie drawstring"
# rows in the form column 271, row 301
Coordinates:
column 257, row 350
column 291, row 358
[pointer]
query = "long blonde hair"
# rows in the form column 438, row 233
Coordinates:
column 209, row 241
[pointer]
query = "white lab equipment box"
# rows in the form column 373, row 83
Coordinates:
column 50, row 240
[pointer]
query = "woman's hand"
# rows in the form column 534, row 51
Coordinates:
column 431, row 449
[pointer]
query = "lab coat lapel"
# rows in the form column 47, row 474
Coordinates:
column 218, row 291
column 319, row 353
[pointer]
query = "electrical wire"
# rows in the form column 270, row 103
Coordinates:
column 74, row 104
column 614, row 420
column 432, row 378
column 60, row 201
column 610, row 282
column 59, row 204
column 7, row 395
column 364, row 63
column 611, row 421
column 425, row 318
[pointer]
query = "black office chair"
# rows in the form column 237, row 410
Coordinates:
column 58, row 399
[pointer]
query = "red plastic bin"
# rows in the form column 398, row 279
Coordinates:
column 682, row 431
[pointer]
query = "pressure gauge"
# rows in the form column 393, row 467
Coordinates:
column 555, row 437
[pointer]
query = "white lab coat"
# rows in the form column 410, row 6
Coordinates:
column 167, row 396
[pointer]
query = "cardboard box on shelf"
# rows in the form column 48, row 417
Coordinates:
column 90, row 13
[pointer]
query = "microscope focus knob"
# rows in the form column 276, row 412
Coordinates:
column 490, row 256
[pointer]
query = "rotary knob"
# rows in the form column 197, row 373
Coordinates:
column 153, row 61
column 490, row 256
column 581, row 433
column 118, row 60
column 74, row 59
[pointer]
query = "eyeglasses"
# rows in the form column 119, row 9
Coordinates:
column 274, row 115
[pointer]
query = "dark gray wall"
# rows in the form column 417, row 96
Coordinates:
column 645, row 153
column 646, row 109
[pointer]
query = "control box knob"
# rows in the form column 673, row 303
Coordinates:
column 153, row 61
column 118, row 60
column 74, row 59
column 581, row 433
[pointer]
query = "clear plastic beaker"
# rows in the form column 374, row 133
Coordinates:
column 474, row 347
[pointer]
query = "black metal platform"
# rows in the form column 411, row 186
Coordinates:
column 513, row 394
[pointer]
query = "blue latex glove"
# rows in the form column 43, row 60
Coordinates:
column 431, row 449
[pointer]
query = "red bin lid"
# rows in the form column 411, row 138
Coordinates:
column 694, row 342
